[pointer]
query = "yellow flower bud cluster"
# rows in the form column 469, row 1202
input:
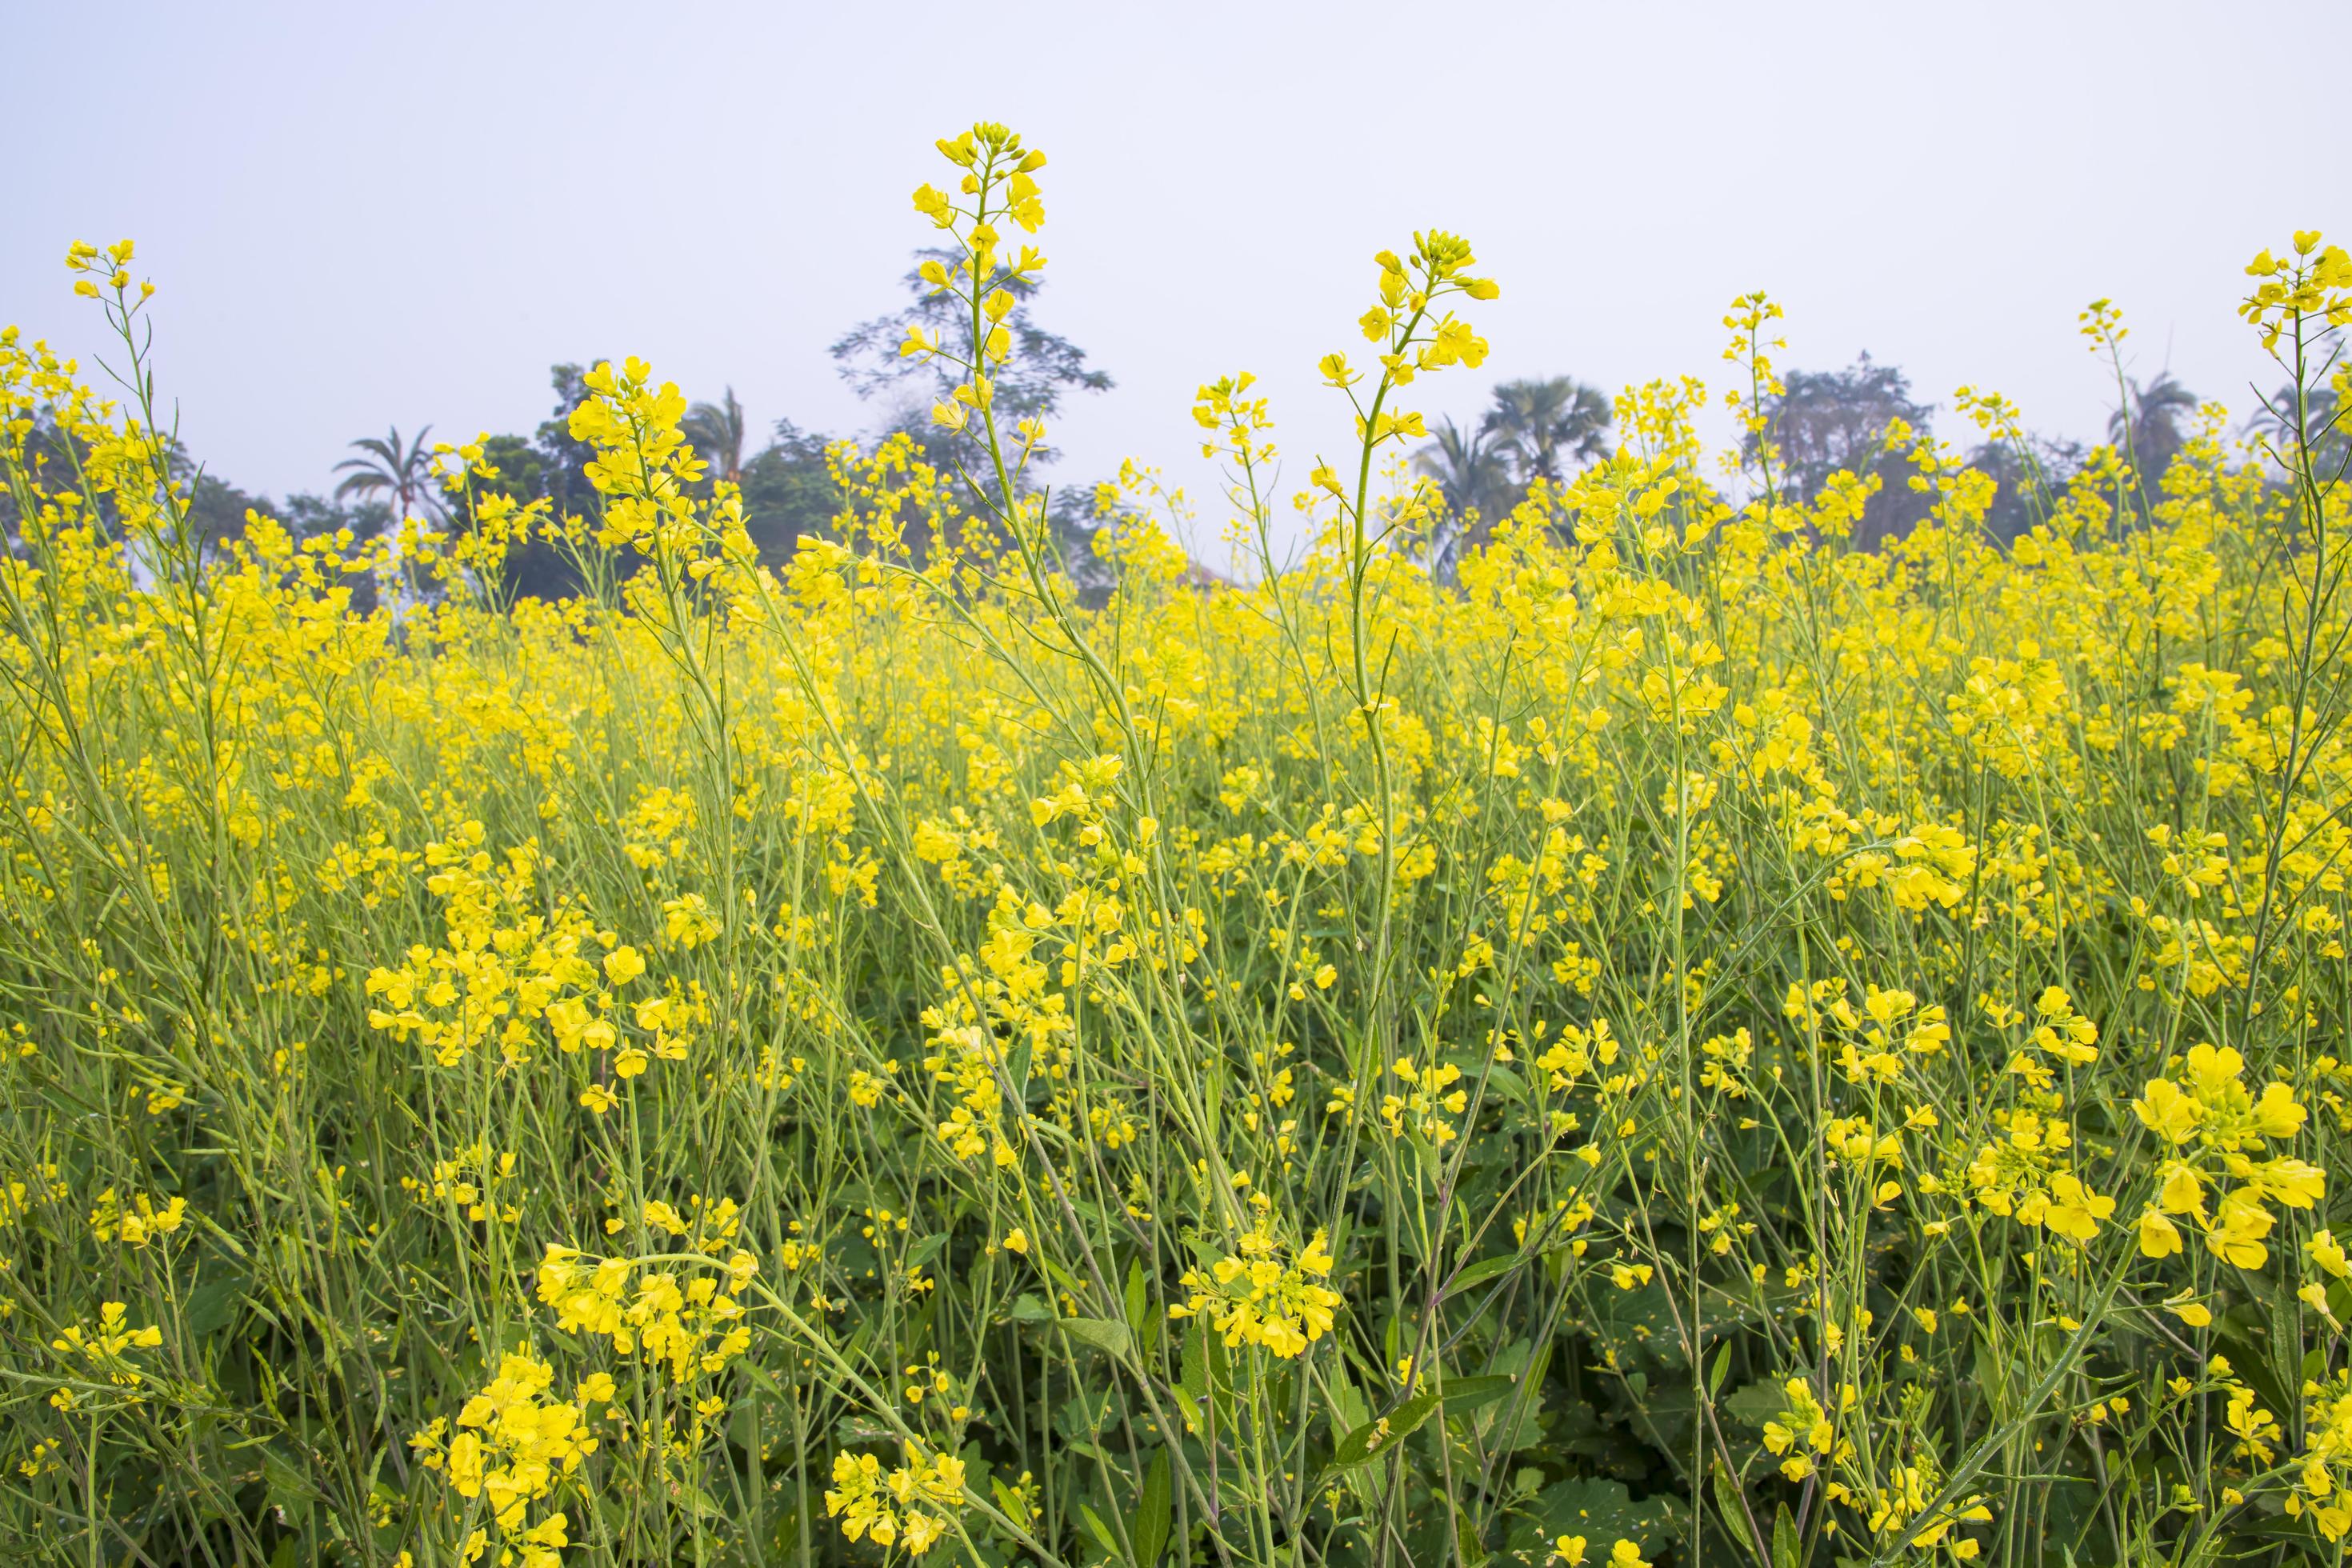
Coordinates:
column 2312, row 289
column 1803, row 1431
column 1427, row 1103
column 469, row 1182
column 683, row 1323
column 2024, row 1175
column 107, row 272
column 513, row 1444
column 137, row 1221
column 1253, row 1296
column 911, row 1505
column 1894, row 1508
column 2326, row 1473
column 104, row 1345
column 509, row 967
column 2210, row 1127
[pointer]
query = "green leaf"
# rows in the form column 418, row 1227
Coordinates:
column 1501, row 1080
column 1461, row 1395
column 1110, row 1338
column 1715, row 1373
column 1028, row 1309
column 1479, row 1273
column 1138, row 1302
column 1784, row 1538
column 1601, row 1510
column 1149, row 1526
column 1753, row 1404
column 1194, row 1377
column 1102, row 1531
column 1733, row 1508
column 286, row 1483
column 1377, row 1436
column 1466, row 1538
column 214, row 1305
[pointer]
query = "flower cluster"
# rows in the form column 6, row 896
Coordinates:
column 685, row 1324
column 2211, row 1128
column 2024, row 1175
column 913, row 1504
column 1804, row 1432
column 137, row 1222
column 1253, row 1296
column 513, row 1444
column 1428, row 1102
column 105, row 1346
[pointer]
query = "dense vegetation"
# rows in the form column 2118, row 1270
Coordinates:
column 1672, row 1024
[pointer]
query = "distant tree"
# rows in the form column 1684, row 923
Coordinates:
column 1470, row 467
column 788, row 491
column 1539, row 424
column 307, row 516
column 1472, row 472
column 2151, row 426
column 563, row 458
column 217, row 510
column 535, row 568
column 53, row 455
column 716, row 430
column 400, row 474
column 1824, row 422
column 1044, row 368
column 2023, row 490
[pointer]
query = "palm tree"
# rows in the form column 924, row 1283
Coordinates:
column 2150, row 426
column 1471, row 474
column 1541, row 423
column 402, row 474
column 717, row 431
column 1469, row 468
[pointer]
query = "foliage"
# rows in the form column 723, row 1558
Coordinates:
column 1044, row 368
column 717, row 430
column 1697, row 1041
column 1546, row 424
column 1529, row 433
column 391, row 471
column 1857, row 421
column 790, row 492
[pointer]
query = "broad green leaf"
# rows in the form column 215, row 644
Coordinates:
column 1100, row 1332
column 1375, row 1436
column 1102, row 1531
column 1137, row 1301
column 1479, row 1273
column 1149, row 1529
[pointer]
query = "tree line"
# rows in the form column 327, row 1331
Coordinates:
column 1821, row 423
column 1539, row 429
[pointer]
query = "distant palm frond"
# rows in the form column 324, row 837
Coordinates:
column 391, row 470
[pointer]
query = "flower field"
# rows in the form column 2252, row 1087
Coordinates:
column 1675, row 1038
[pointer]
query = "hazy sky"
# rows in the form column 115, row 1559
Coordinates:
column 360, row 215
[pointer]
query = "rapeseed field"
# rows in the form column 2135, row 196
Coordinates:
column 1675, row 1039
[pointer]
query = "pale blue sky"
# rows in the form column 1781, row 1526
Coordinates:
column 360, row 216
